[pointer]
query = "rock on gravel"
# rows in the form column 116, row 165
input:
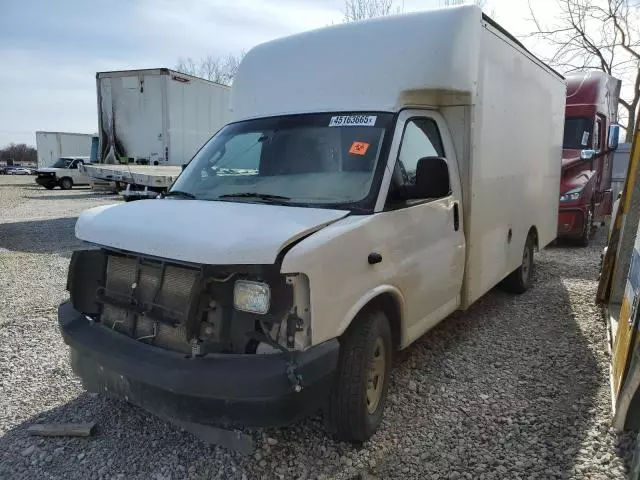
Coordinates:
column 517, row 387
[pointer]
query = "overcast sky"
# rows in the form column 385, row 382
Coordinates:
column 50, row 50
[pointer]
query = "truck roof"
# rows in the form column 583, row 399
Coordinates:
column 594, row 88
column 155, row 71
column 373, row 65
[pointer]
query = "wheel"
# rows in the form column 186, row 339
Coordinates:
column 587, row 230
column 359, row 395
column 66, row 183
column 519, row 280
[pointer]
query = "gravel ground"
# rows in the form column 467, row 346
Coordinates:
column 515, row 388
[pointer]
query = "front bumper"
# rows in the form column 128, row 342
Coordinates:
column 47, row 181
column 223, row 389
column 571, row 221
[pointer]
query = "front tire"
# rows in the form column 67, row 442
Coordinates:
column 519, row 281
column 359, row 396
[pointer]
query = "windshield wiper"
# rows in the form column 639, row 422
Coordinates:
column 179, row 193
column 259, row 196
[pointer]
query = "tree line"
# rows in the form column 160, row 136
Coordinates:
column 19, row 153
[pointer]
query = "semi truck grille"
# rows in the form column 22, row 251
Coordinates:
column 149, row 301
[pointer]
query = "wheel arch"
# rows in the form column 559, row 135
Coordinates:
column 386, row 298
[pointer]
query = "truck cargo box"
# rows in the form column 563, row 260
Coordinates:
column 53, row 145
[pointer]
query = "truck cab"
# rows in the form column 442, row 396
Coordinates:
column 64, row 173
column 590, row 138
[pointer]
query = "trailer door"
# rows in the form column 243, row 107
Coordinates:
column 133, row 120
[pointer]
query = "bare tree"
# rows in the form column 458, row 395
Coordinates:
column 597, row 35
column 19, row 153
column 355, row 10
column 217, row 69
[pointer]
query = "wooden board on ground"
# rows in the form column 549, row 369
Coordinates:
column 62, row 429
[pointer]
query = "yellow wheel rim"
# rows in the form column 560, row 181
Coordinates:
column 375, row 381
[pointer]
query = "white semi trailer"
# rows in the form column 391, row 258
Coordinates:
column 151, row 122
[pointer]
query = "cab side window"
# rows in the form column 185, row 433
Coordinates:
column 597, row 135
column 420, row 140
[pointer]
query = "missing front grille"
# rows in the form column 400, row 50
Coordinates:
column 149, row 301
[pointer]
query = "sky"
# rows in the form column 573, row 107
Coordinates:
column 50, row 50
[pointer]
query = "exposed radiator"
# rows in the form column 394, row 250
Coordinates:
column 133, row 286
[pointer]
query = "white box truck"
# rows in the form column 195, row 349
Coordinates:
column 52, row 146
column 377, row 177
column 156, row 117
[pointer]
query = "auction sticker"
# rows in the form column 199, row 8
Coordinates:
column 353, row 121
column 359, row 148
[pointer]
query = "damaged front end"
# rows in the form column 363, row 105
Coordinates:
column 240, row 336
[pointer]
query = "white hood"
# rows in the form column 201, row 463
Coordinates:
column 215, row 233
column 47, row 170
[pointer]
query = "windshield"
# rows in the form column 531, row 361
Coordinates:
column 317, row 159
column 577, row 133
column 62, row 163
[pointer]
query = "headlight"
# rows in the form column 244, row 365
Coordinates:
column 251, row 297
column 571, row 196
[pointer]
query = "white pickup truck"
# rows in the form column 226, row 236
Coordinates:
column 377, row 177
column 64, row 173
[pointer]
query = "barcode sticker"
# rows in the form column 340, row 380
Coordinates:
column 353, row 121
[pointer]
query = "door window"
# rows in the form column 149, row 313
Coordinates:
column 421, row 139
column 597, row 135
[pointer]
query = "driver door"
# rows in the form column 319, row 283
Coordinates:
column 428, row 236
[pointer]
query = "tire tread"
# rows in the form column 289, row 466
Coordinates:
column 347, row 413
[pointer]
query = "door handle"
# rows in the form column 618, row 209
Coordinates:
column 456, row 217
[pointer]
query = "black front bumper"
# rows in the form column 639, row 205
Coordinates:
column 47, row 181
column 221, row 389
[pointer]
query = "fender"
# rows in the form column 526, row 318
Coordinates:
column 366, row 300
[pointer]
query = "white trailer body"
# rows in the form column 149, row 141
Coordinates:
column 53, row 145
column 503, row 107
column 157, row 116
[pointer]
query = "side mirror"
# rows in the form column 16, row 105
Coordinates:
column 184, row 165
column 432, row 178
column 587, row 154
column 614, row 136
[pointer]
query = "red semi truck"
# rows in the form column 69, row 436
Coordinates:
column 590, row 138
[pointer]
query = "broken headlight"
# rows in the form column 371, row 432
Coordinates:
column 252, row 297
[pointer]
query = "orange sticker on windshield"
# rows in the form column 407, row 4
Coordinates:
column 359, row 148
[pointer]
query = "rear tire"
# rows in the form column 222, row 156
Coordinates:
column 359, row 394
column 66, row 183
column 519, row 281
